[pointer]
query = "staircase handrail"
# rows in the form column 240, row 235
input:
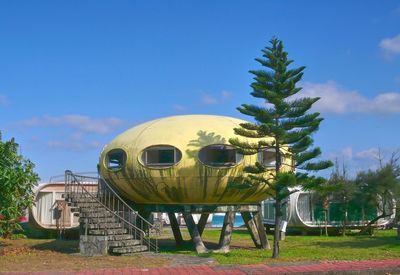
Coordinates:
column 70, row 173
column 123, row 201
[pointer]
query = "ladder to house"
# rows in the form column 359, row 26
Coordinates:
column 104, row 215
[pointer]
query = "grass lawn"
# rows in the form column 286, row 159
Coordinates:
column 383, row 245
column 27, row 255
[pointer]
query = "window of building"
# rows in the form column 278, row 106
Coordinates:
column 267, row 157
column 219, row 155
column 116, row 159
column 160, row 156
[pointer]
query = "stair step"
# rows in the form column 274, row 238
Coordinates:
column 115, row 231
column 97, row 214
column 123, row 243
column 80, row 195
column 98, row 220
column 103, row 225
column 83, row 199
column 120, row 237
column 87, row 204
column 88, row 200
column 93, row 209
column 129, row 249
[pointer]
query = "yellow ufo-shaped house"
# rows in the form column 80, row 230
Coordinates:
column 182, row 160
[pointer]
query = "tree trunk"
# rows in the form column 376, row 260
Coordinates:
column 275, row 253
column 325, row 206
column 363, row 214
column 344, row 219
column 326, row 221
column 398, row 230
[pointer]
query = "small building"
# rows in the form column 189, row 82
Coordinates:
column 50, row 211
column 303, row 213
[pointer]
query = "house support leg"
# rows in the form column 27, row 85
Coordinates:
column 252, row 228
column 202, row 223
column 226, row 233
column 194, row 233
column 175, row 228
column 261, row 230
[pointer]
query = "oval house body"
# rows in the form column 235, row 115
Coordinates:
column 181, row 160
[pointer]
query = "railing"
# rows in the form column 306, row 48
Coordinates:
column 97, row 189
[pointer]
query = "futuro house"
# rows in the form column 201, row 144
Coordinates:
column 182, row 160
column 303, row 213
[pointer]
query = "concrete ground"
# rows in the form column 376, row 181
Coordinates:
column 390, row 266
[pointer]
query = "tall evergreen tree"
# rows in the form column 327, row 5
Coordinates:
column 284, row 125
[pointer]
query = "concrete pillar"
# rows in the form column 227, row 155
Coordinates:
column 226, row 233
column 252, row 228
column 202, row 222
column 194, row 233
column 261, row 230
column 175, row 228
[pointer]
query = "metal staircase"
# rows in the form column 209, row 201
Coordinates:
column 102, row 212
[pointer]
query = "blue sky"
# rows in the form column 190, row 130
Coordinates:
column 74, row 74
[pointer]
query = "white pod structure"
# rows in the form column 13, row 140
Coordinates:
column 50, row 211
column 305, row 214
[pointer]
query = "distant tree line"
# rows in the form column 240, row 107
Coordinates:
column 375, row 189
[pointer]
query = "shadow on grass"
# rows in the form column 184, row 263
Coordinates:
column 61, row 246
column 363, row 242
column 187, row 247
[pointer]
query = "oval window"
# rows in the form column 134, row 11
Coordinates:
column 219, row 155
column 116, row 159
column 161, row 156
column 267, row 157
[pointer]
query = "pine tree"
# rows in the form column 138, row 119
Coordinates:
column 284, row 125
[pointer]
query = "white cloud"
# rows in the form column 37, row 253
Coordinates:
column 208, row 99
column 179, row 108
column 347, row 152
column 338, row 100
column 369, row 154
column 355, row 161
column 78, row 122
column 4, row 100
column 390, row 46
column 226, row 94
column 74, row 142
column 74, row 145
column 212, row 100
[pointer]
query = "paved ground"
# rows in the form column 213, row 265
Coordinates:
column 391, row 266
